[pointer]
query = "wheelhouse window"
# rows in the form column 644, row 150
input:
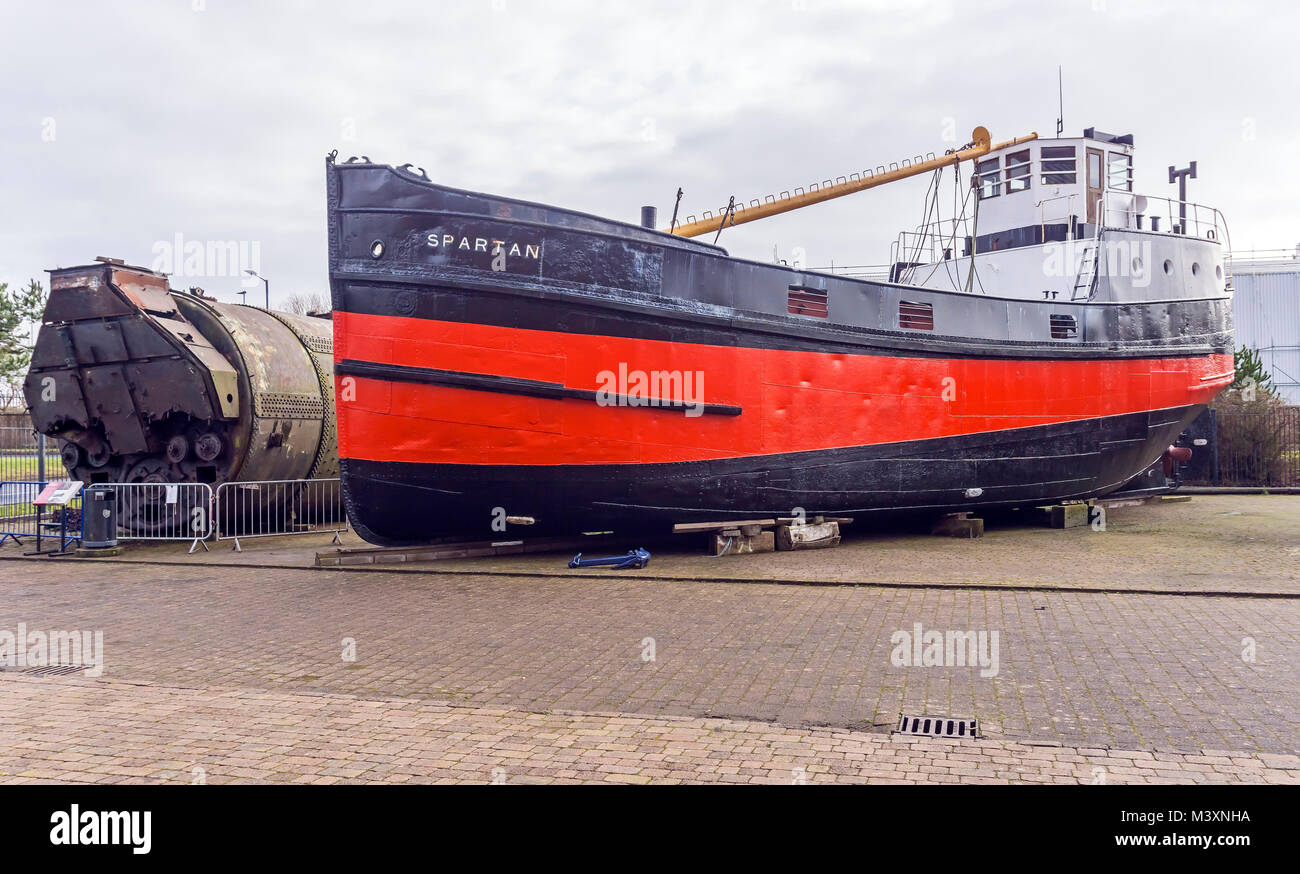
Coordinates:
column 990, row 177
column 1094, row 169
column 1059, row 165
column 1018, row 177
column 1119, row 171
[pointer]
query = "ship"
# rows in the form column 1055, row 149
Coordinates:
column 1049, row 341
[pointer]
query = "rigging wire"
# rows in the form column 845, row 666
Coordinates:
column 931, row 208
column 952, row 238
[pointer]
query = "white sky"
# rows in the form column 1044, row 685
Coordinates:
column 127, row 123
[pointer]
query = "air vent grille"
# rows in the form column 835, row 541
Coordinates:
column 915, row 316
column 1063, row 327
column 803, row 301
column 281, row 405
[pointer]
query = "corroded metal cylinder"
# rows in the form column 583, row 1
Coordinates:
column 143, row 384
column 285, row 423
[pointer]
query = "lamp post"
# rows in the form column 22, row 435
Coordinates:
column 265, row 282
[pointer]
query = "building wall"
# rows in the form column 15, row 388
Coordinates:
column 1266, row 310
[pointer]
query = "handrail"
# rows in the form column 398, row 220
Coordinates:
column 1213, row 220
column 1042, row 218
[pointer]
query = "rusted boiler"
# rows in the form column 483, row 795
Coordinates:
column 140, row 383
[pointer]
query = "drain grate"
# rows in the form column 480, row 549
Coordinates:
column 49, row 670
column 937, row 726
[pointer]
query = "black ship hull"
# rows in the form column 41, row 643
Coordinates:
column 488, row 353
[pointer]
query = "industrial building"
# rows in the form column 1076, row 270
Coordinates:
column 1266, row 307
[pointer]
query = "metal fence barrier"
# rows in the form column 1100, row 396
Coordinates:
column 186, row 511
column 1257, row 447
column 163, row 511
column 268, row 508
column 26, row 456
column 19, row 517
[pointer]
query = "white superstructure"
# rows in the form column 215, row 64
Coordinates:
column 1059, row 219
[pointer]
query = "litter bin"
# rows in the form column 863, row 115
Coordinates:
column 99, row 510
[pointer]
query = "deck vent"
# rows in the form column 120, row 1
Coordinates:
column 915, row 316
column 1063, row 327
column 937, row 726
column 804, row 301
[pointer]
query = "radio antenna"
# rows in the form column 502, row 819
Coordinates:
column 676, row 204
column 1060, row 102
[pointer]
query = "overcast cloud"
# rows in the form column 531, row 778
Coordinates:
column 126, row 123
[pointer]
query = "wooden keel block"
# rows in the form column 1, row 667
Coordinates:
column 1064, row 515
column 691, row 527
column 816, row 536
column 797, row 520
column 959, row 525
column 720, row 544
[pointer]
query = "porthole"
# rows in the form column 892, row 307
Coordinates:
column 377, row 249
column 1218, row 271
column 1196, row 269
column 1169, row 267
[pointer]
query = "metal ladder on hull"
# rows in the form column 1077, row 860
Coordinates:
column 1087, row 276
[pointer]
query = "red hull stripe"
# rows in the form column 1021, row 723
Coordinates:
column 792, row 401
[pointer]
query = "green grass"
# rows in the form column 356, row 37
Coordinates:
column 7, row 510
column 24, row 465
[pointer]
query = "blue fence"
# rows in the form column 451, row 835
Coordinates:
column 20, row 518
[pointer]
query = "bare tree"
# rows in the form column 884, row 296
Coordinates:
column 302, row 304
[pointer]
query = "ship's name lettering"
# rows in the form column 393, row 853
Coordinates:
column 483, row 244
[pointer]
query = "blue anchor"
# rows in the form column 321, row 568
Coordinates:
column 635, row 558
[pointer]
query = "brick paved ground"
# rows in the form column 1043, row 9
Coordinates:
column 1215, row 543
column 1220, row 543
column 103, row 732
column 1122, row 671
column 1130, row 671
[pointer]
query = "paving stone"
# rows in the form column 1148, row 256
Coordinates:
column 454, row 756
column 535, row 666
